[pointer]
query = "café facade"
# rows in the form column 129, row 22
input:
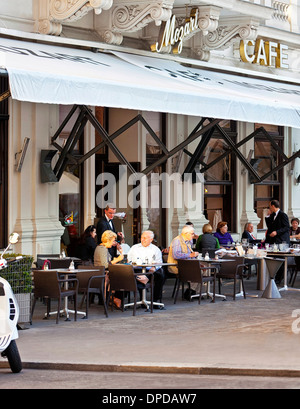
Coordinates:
column 175, row 112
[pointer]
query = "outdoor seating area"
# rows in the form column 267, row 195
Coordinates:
column 88, row 291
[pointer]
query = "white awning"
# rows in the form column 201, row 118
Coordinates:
column 50, row 74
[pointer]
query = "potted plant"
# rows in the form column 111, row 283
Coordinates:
column 19, row 276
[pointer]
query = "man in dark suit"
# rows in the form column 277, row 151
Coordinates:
column 106, row 223
column 278, row 225
column 278, row 230
column 248, row 233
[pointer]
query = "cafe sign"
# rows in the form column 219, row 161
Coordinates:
column 267, row 53
column 172, row 35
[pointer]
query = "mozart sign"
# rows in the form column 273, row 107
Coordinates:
column 173, row 35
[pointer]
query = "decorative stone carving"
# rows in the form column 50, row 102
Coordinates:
column 224, row 36
column 52, row 13
column 130, row 18
column 208, row 18
column 281, row 10
column 203, row 55
column 72, row 10
column 110, row 37
column 49, row 27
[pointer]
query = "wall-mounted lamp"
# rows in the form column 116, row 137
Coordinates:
column 292, row 166
column 22, row 154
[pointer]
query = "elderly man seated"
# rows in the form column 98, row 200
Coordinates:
column 248, row 233
column 181, row 248
column 144, row 253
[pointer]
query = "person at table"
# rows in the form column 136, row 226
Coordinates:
column 248, row 233
column 87, row 244
column 181, row 248
column 195, row 237
column 295, row 229
column 106, row 223
column 146, row 252
column 278, row 226
column 102, row 256
column 222, row 234
column 207, row 239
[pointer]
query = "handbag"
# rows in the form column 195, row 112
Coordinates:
column 142, row 279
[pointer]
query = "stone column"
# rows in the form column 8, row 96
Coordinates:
column 245, row 190
column 33, row 206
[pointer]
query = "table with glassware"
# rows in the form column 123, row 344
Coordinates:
column 58, row 262
column 252, row 253
column 144, row 267
column 285, row 252
column 210, row 262
column 67, row 272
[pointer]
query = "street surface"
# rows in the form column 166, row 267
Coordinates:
column 154, row 383
column 249, row 343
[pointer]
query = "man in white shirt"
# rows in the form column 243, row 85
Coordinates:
column 144, row 253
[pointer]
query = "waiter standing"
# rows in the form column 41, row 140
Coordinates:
column 106, row 223
column 278, row 231
column 278, row 225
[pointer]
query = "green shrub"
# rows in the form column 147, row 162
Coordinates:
column 18, row 274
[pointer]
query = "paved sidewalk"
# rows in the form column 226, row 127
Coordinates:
column 253, row 336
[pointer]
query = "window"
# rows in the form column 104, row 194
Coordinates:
column 155, row 216
column 69, row 189
column 266, row 158
column 219, row 200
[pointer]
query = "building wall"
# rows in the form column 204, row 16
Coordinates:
column 33, row 206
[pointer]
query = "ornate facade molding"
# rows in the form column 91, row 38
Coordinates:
column 52, row 13
column 208, row 18
column 224, row 36
column 281, row 11
column 131, row 18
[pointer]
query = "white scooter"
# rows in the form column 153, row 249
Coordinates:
column 9, row 315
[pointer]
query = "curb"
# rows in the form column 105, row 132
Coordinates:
column 282, row 373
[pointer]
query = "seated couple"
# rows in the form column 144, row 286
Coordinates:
column 139, row 253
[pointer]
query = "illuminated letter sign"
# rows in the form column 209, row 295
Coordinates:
column 266, row 53
column 169, row 35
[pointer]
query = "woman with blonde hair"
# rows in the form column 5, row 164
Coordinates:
column 102, row 256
